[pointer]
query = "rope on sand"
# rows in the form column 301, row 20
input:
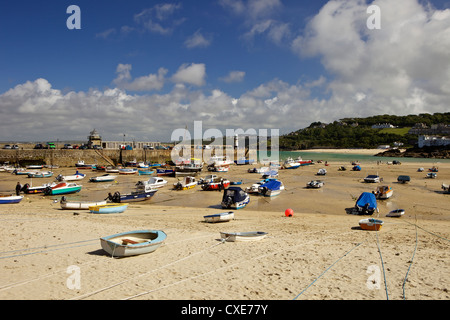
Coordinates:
column 43, row 247
column 327, row 270
column 382, row 264
column 407, row 272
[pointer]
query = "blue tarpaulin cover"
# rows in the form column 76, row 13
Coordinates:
column 367, row 198
column 272, row 185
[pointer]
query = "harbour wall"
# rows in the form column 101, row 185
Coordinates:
column 69, row 157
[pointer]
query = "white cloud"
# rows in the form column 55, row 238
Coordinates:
column 144, row 83
column 159, row 18
column 198, row 40
column 194, row 73
column 234, row 76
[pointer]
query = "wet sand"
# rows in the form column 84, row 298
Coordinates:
column 318, row 253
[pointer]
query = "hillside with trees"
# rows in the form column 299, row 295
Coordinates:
column 358, row 132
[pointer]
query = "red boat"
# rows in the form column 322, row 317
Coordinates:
column 216, row 185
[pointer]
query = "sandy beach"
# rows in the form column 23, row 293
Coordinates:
column 346, row 151
column 320, row 253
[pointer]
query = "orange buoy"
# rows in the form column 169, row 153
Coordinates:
column 289, row 212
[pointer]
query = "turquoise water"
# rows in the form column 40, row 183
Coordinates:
column 328, row 156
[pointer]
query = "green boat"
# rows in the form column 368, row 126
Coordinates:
column 63, row 188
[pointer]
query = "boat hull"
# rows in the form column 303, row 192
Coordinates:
column 10, row 199
column 135, row 197
column 80, row 205
column 133, row 243
column 243, row 236
column 109, row 208
column 219, row 217
column 370, row 224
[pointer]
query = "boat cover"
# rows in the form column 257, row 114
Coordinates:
column 367, row 199
column 357, row 168
column 272, row 185
column 236, row 194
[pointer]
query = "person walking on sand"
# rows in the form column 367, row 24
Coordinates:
column 18, row 188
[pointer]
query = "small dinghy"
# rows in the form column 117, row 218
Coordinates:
column 104, row 178
column 79, row 205
column 133, row 243
column 396, row 213
column 109, row 208
column 243, row 236
column 219, row 217
column 4, row 199
column 316, row 184
column 370, row 224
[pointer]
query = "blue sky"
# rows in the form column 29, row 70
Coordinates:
column 146, row 68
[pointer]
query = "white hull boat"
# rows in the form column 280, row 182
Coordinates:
column 133, row 243
column 219, row 217
column 243, row 236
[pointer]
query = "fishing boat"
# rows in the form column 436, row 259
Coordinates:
column 22, row 172
column 366, row 204
column 243, row 236
column 111, row 169
column 40, row 174
column 396, row 213
column 271, row 188
column 315, row 184
column 62, row 188
column 81, row 165
column 254, row 188
column 35, row 166
column 303, row 162
column 156, row 182
column 74, row 177
column 431, row 175
column 403, row 179
column 219, row 168
column 356, row 168
column 104, row 178
column 192, row 167
column 187, row 183
column 216, row 184
column 234, row 198
column 258, row 170
column 219, row 217
column 322, row 172
column 128, row 171
column 165, row 172
column 372, row 178
column 109, row 208
column 433, row 169
column 28, row 189
column 143, row 192
column 142, row 165
column 370, row 224
column 133, row 243
column 79, row 205
column 243, row 160
column 145, row 172
column 289, row 163
column 384, row 192
column 6, row 199
column 218, row 161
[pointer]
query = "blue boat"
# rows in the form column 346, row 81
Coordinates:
column 145, row 172
column 234, row 198
column 10, row 199
column 144, row 191
column 366, row 204
column 271, row 188
column 109, row 208
column 133, row 243
column 165, row 172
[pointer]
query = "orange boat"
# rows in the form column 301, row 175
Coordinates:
column 370, row 224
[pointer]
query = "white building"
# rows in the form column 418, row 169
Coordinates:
column 433, row 141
